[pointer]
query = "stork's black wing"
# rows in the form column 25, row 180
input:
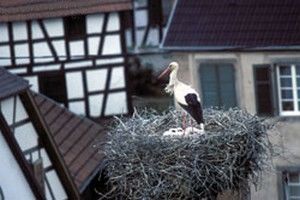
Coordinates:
column 194, row 107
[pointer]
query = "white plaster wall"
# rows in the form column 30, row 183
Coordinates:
column 116, row 103
column 94, row 23
column 3, row 32
column 26, row 136
column 12, row 179
column 93, row 45
column 5, row 53
column 60, row 49
column 56, row 185
column 113, row 22
column 74, row 85
column 76, row 49
column 19, row 31
column 36, row 30
column 7, row 109
column 33, row 82
column 96, row 79
column 117, row 78
column 141, row 17
column 22, row 53
column 21, row 113
column 77, row 107
column 95, row 104
column 42, row 49
column 112, row 45
column 54, row 26
column 78, row 64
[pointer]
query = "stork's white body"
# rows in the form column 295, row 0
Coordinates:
column 181, row 90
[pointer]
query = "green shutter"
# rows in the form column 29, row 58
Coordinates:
column 218, row 85
column 209, row 85
column 227, row 85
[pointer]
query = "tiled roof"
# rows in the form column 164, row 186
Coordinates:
column 10, row 84
column 227, row 24
column 15, row 10
column 75, row 138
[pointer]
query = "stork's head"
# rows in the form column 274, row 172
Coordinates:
column 173, row 66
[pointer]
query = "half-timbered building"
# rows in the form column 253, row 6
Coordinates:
column 71, row 51
column 46, row 147
column 146, row 24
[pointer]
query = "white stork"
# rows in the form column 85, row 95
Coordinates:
column 185, row 95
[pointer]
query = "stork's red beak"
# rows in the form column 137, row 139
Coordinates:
column 164, row 73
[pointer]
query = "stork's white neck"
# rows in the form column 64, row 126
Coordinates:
column 173, row 78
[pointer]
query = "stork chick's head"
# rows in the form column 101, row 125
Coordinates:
column 173, row 66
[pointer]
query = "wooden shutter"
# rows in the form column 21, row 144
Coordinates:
column 263, row 89
column 218, row 85
column 227, row 85
column 209, row 85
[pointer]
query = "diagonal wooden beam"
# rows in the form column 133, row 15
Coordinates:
column 47, row 37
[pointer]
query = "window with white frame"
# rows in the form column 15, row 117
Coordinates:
column 292, row 186
column 288, row 78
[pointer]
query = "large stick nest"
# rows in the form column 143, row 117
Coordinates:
column 141, row 163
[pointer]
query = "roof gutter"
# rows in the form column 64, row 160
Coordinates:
column 230, row 48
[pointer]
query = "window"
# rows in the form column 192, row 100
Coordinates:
column 53, row 85
column 75, row 27
column 291, row 185
column 288, row 79
column 218, row 85
column 263, row 89
column 155, row 12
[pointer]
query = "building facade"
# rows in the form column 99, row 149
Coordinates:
column 250, row 62
column 72, row 53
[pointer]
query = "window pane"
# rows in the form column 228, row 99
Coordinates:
column 294, row 177
column 287, row 106
column 287, row 94
column 286, row 82
column 285, row 70
column 294, row 190
column 298, row 82
column 298, row 69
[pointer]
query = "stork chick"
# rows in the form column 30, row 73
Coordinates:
column 185, row 95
